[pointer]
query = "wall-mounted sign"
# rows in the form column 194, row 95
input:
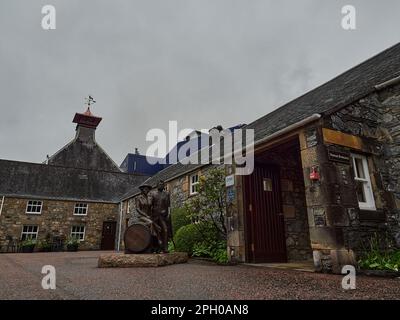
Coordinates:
column 339, row 156
column 230, row 180
column 341, row 139
column 267, row 184
column 230, row 195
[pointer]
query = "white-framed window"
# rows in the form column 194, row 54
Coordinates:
column 362, row 179
column 81, row 209
column 194, row 183
column 34, row 207
column 78, row 232
column 29, row 232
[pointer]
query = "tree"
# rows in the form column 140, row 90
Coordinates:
column 208, row 206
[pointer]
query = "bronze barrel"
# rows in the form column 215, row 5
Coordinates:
column 137, row 238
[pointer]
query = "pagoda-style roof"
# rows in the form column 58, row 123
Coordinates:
column 87, row 119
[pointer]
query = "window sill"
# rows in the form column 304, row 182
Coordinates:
column 33, row 213
column 372, row 215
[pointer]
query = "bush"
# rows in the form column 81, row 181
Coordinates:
column 186, row 238
column 179, row 217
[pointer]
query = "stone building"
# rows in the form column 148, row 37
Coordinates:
column 75, row 193
column 326, row 175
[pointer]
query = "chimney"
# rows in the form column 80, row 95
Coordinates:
column 86, row 126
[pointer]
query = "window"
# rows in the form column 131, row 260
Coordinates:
column 81, row 209
column 362, row 179
column 29, row 232
column 34, row 207
column 78, row 232
column 194, row 183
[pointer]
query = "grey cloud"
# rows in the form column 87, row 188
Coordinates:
column 199, row 62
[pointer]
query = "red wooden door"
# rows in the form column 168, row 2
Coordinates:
column 108, row 235
column 265, row 228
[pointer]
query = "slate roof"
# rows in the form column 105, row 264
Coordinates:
column 166, row 174
column 64, row 183
column 336, row 93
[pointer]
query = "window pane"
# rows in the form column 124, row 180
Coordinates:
column 359, row 168
column 360, row 191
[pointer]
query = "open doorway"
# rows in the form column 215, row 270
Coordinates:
column 276, row 225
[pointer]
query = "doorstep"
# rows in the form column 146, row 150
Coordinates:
column 305, row 266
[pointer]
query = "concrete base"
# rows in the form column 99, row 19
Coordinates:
column 122, row 260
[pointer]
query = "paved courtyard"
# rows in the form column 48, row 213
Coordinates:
column 79, row 278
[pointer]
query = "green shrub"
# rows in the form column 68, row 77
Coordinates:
column 171, row 247
column 179, row 217
column 186, row 237
column 215, row 250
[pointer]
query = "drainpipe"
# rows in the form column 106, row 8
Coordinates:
column 1, row 207
column 120, row 226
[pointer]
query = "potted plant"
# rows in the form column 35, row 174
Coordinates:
column 72, row 244
column 44, row 246
column 28, row 245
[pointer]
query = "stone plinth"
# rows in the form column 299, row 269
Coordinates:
column 122, row 260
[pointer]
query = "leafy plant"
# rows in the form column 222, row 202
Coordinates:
column 179, row 218
column 171, row 247
column 216, row 251
column 186, row 237
column 28, row 243
column 380, row 257
column 72, row 241
column 44, row 245
column 209, row 205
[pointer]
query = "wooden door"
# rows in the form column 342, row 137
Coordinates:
column 265, row 229
column 108, row 235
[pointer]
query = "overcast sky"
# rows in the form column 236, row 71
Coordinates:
column 200, row 62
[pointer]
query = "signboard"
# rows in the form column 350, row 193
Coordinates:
column 341, row 139
column 230, row 180
column 230, row 195
column 341, row 157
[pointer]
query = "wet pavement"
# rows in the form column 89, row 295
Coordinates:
column 77, row 277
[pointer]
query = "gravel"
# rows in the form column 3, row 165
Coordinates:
column 79, row 278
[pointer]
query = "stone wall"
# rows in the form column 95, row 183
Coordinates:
column 56, row 218
column 339, row 230
column 376, row 119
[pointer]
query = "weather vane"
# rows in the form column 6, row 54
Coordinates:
column 89, row 101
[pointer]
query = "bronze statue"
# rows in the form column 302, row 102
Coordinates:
column 160, row 204
column 151, row 228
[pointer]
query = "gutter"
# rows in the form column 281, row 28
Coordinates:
column 387, row 83
column 120, row 226
column 294, row 126
column 1, row 206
